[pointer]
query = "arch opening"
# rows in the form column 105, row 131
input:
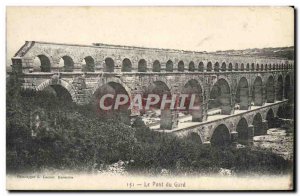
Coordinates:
column 109, row 65
column 270, row 90
column 257, row 92
column 279, row 95
column 242, row 130
column 88, row 64
column 230, row 67
column 169, row 66
column 209, row 67
column 66, row 63
column 201, row 67
column 216, row 67
column 193, row 87
column 163, row 116
column 220, row 98
column 242, row 94
column 271, row 119
column 181, row 66
column 258, row 125
column 287, row 88
column 220, row 136
column 122, row 112
column 223, row 66
column 192, row 67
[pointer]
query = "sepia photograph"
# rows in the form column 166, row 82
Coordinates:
column 186, row 98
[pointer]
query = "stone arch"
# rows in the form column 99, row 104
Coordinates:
column 181, row 66
column 257, row 67
column 192, row 66
column 156, row 66
column 194, row 87
column 103, row 81
column 216, row 67
column 209, row 67
column 220, row 136
column 262, row 67
column 242, row 130
column 161, row 89
column 270, row 90
column 270, row 118
column 126, row 65
column 169, row 66
column 258, row 125
column 279, row 95
column 236, row 67
column 109, row 65
column 142, row 65
column 248, row 67
column 223, row 66
column 67, row 63
column 266, row 67
column 287, row 87
column 257, row 92
column 242, row 67
column 201, row 67
column 220, row 97
column 122, row 112
column 242, row 94
column 42, row 63
column 59, row 82
column 230, row 67
column 88, row 64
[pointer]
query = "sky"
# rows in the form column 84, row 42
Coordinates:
column 184, row 28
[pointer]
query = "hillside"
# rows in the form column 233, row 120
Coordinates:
column 280, row 52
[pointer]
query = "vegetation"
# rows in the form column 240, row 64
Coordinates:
column 74, row 138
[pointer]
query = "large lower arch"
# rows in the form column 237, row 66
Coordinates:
column 156, row 66
column 270, row 118
column 192, row 87
column 257, row 92
column 220, row 97
column 142, row 65
column 164, row 113
column 88, row 64
column 169, row 66
column 66, row 63
column 180, row 66
column 279, row 94
column 287, row 87
column 270, row 91
column 109, row 65
column 62, row 83
column 111, row 111
column 242, row 130
column 258, row 125
column 242, row 94
column 220, row 136
column 191, row 66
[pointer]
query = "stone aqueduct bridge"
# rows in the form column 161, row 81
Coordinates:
column 248, row 90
